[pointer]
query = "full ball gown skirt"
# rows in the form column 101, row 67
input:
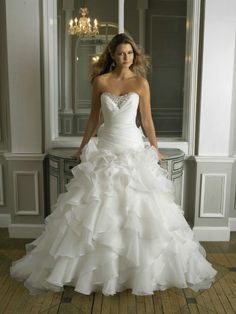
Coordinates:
column 117, row 227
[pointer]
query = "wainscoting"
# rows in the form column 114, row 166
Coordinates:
column 211, row 199
column 25, row 194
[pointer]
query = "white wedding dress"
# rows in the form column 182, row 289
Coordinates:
column 117, row 226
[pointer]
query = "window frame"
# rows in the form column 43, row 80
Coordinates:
column 50, row 78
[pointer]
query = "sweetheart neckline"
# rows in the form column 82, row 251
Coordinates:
column 109, row 93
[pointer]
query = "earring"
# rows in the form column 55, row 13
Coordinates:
column 113, row 64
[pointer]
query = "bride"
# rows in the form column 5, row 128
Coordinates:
column 117, row 227
column 120, row 71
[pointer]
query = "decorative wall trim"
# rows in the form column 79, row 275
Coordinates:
column 5, row 220
column 25, row 231
column 217, row 159
column 18, row 210
column 68, row 141
column 206, row 233
column 1, row 187
column 203, row 185
column 4, row 88
column 23, row 156
column 50, row 71
column 191, row 72
column 68, row 125
column 232, row 223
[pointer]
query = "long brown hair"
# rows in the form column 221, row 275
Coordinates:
column 105, row 62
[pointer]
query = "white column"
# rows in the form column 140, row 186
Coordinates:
column 24, row 162
column 24, row 73
column 217, row 78
column 121, row 16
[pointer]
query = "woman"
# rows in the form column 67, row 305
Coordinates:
column 117, row 227
column 128, row 75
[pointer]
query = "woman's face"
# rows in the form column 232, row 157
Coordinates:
column 124, row 55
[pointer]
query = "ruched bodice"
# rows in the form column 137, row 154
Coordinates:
column 119, row 130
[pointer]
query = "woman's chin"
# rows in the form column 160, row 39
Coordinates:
column 126, row 66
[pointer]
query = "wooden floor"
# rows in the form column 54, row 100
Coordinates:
column 220, row 298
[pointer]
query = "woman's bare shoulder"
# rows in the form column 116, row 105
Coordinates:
column 142, row 85
column 99, row 82
column 103, row 77
column 143, row 82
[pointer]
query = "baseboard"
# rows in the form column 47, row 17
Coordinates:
column 212, row 233
column 5, row 220
column 232, row 223
column 25, row 231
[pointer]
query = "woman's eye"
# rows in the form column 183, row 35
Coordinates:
column 123, row 53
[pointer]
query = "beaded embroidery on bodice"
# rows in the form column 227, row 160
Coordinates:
column 119, row 99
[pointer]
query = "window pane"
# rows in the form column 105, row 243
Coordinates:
column 160, row 29
column 75, row 56
column 166, row 40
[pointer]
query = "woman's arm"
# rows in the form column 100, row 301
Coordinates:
column 93, row 120
column 146, row 117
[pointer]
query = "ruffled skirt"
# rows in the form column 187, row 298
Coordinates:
column 116, row 227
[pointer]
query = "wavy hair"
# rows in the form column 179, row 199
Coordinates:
column 141, row 62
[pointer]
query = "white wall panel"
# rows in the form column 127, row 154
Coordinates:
column 23, row 40
column 212, row 195
column 26, row 192
column 217, row 77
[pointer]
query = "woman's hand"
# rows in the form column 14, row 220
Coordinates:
column 76, row 156
column 160, row 156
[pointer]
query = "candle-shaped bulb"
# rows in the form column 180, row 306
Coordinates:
column 71, row 23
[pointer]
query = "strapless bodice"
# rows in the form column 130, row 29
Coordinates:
column 119, row 129
column 119, row 110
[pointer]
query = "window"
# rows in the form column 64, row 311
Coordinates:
column 167, row 30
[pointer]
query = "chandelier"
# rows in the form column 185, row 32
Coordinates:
column 82, row 26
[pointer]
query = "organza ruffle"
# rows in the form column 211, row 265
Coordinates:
column 116, row 227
